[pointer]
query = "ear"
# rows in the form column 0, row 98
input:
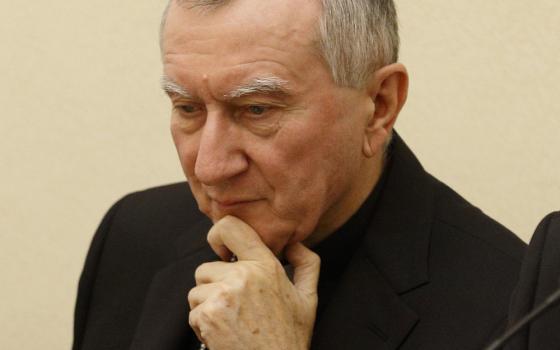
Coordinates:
column 388, row 89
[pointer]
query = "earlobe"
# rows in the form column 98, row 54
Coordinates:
column 367, row 149
column 374, row 142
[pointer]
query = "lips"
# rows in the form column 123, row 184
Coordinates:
column 232, row 203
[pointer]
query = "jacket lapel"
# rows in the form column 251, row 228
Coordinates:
column 164, row 321
column 398, row 238
column 367, row 311
column 364, row 313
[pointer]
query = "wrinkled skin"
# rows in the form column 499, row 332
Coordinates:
column 251, row 304
column 276, row 169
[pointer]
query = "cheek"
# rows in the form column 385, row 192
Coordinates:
column 300, row 171
column 311, row 165
column 187, row 148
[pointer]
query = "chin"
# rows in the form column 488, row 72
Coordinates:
column 275, row 232
column 275, row 238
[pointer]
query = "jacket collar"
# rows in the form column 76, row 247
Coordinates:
column 398, row 238
column 367, row 311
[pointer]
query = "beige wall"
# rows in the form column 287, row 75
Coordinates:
column 83, row 122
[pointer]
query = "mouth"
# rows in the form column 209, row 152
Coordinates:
column 228, row 205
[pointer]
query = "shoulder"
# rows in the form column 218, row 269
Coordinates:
column 162, row 201
column 148, row 222
column 541, row 267
column 473, row 258
column 538, row 280
column 457, row 220
column 547, row 230
column 473, row 266
column 136, row 239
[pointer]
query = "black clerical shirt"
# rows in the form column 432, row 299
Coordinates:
column 339, row 247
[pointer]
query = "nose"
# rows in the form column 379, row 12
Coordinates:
column 220, row 156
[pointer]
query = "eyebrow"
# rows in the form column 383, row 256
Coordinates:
column 172, row 88
column 261, row 85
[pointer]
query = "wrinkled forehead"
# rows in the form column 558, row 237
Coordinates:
column 230, row 41
column 244, row 22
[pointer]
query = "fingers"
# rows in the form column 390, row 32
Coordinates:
column 194, row 319
column 200, row 294
column 212, row 272
column 231, row 234
column 306, row 266
column 207, row 277
column 208, row 304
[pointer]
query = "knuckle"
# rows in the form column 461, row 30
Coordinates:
column 217, row 229
column 225, row 291
column 210, row 312
column 199, row 272
column 193, row 318
column 213, row 233
column 229, row 220
column 315, row 258
column 235, row 284
column 191, row 295
column 238, row 282
column 226, row 295
column 221, row 225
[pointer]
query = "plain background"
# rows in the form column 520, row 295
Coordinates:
column 83, row 122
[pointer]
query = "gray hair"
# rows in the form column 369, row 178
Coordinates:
column 356, row 37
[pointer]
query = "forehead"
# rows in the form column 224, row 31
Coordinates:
column 243, row 37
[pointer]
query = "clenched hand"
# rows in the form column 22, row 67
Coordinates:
column 251, row 304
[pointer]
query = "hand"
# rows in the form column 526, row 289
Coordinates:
column 251, row 304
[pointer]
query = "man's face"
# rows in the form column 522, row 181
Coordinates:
column 261, row 130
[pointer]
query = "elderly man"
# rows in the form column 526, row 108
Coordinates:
column 324, row 231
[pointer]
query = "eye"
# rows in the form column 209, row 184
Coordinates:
column 258, row 110
column 188, row 109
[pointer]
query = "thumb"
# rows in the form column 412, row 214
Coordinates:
column 306, row 266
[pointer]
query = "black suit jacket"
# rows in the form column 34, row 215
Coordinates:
column 540, row 277
column 433, row 272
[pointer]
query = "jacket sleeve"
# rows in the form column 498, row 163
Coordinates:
column 539, row 278
column 88, row 277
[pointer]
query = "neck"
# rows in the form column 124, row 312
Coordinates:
column 363, row 185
